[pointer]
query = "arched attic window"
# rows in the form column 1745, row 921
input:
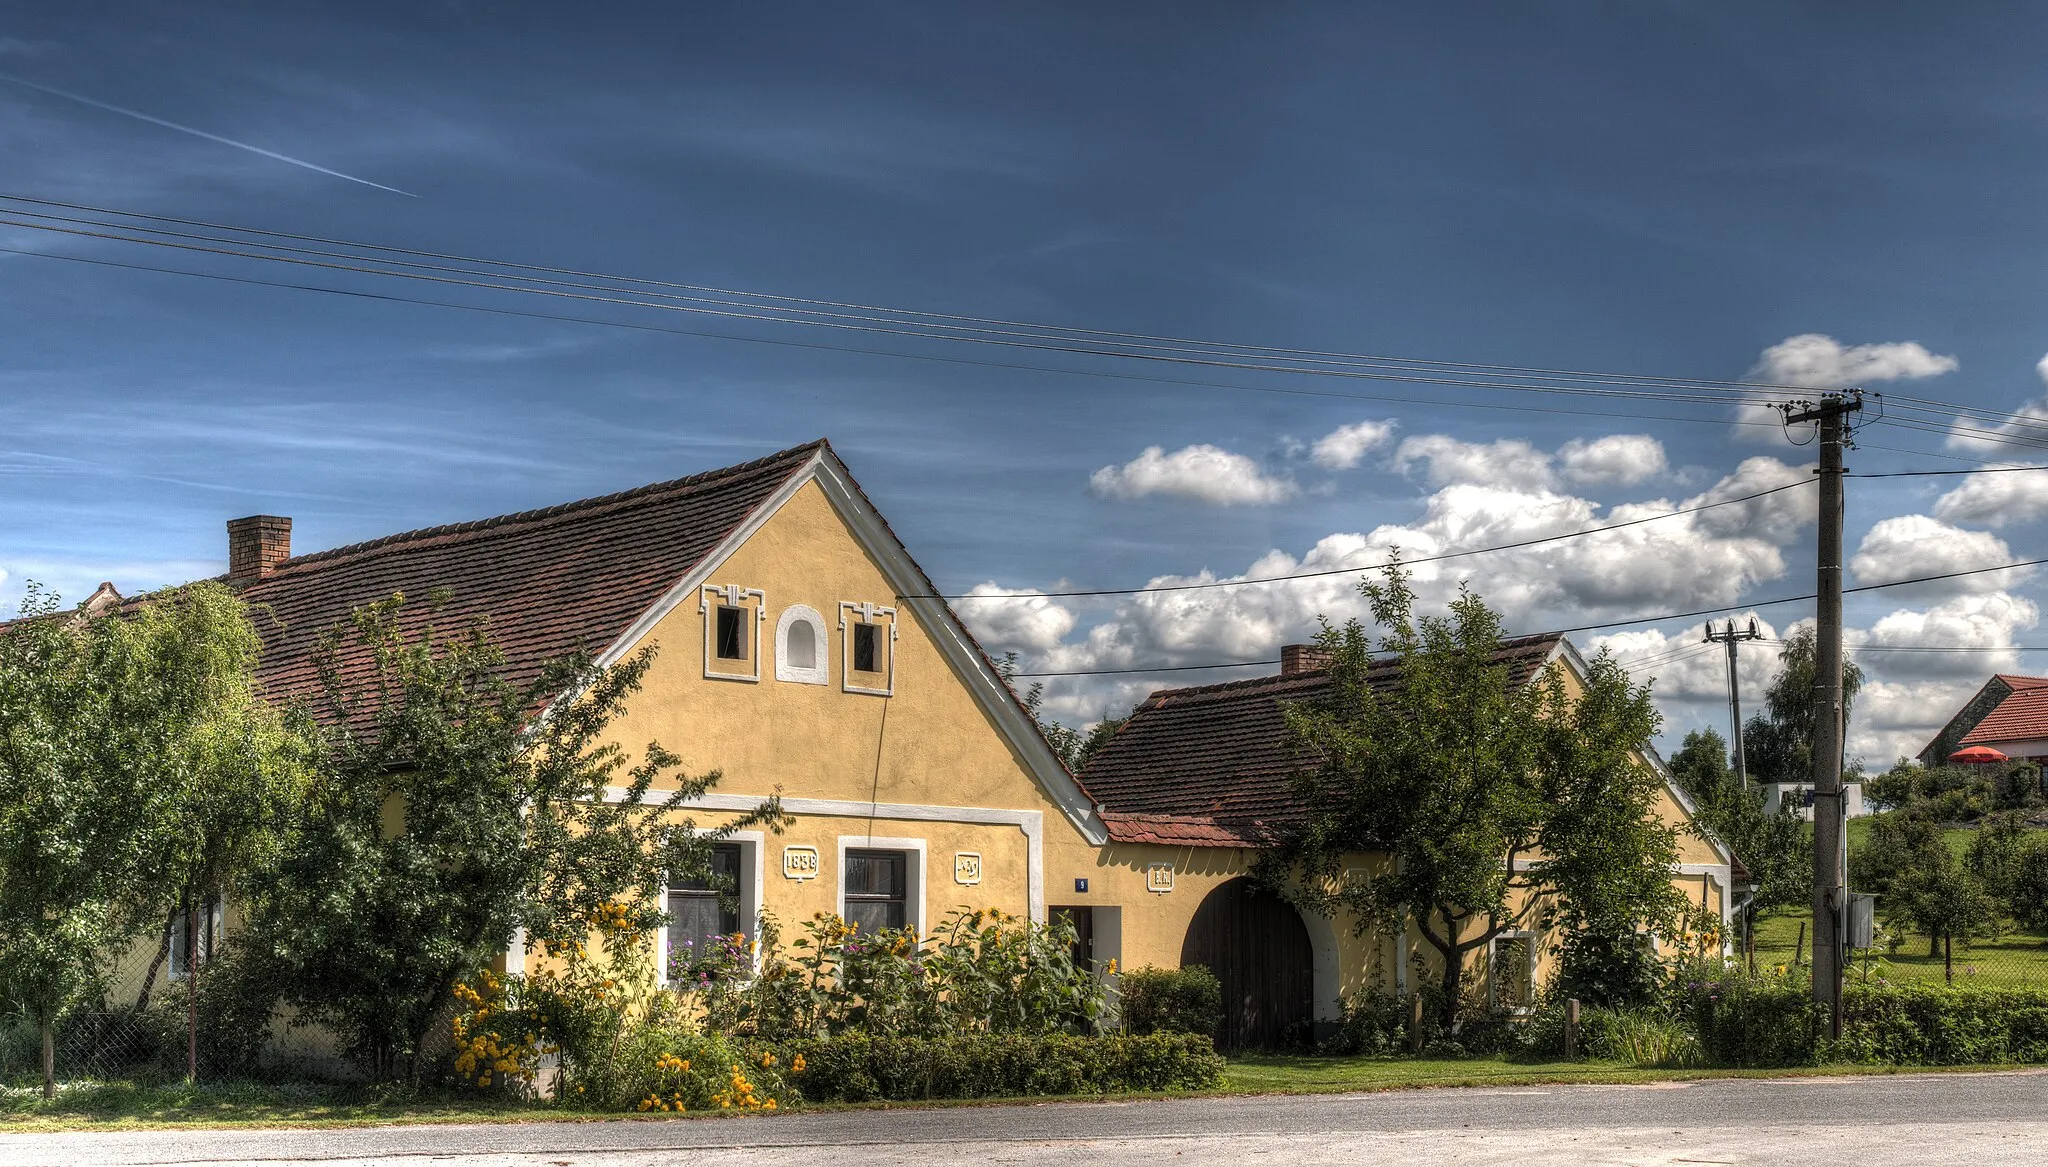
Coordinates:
column 800, row 646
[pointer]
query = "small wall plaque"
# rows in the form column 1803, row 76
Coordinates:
column 1159, row 877
column 800, row 863
column 967, row 867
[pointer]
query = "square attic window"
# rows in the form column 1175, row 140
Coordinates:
column 732, row 633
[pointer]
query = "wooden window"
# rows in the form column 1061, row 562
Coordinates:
column 865, row 639
column 867, row 646
column 877, row 887
column 732, row 633
column 1513, row 972
column 706, row 908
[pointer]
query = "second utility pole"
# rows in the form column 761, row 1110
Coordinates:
column 1731, row 638
column 1830, row 890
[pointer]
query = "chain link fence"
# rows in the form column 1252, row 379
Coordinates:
column 140, row 1030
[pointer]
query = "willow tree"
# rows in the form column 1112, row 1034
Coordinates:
column 1497, row 804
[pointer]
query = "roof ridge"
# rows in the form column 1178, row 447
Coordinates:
column 548, row 512
column 1507, row 644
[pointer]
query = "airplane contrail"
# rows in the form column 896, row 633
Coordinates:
column 157, row 121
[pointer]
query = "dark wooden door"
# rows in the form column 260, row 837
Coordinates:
column 1255, row 943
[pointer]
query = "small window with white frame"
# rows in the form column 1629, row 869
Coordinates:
column 1511, row 972
column 732, row 619
column 867, row 648
column 801, row 652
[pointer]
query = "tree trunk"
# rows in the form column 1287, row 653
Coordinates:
column 163, row 953
column 49, row 1059
column 1454, row 967
column 1948, row 958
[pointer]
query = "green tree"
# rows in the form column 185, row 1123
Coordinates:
column 1778, row 743
column 122, row 738
column 1920, row 886
column 1495, row 803
column 456, row 810
column 1776, row 848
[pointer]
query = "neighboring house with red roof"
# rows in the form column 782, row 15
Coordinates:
column 801, row 650
column 2009, row 714
column 1201, row 777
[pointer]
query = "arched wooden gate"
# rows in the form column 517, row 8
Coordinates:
column 1257, row 946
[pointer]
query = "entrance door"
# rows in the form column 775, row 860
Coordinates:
column 1257, row 946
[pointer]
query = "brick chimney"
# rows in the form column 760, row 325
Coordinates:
column 1302, row 658
column 256, row 545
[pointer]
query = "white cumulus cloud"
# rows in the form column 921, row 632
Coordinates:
column 1911, row 546
column 1615, row 460
column 1202, row 472
column 1020, row 619
column 1343, row 447
column 1824, row 362
column 1508, row 462
column 1995, row 499
column 2029, row 422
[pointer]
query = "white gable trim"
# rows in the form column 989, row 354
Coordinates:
column 952, row 638
column 1568, row 654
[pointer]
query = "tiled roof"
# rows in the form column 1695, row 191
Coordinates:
column 2021, row 716
column 551, row 582
column 1219, row 755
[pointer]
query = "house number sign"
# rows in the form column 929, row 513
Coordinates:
column 967, row 867
column 1159, row 877
column 800, row 863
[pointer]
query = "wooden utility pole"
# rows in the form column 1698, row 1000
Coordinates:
column 1830, row 828
column 1731, row 638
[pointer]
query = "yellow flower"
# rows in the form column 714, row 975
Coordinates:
column 797, row 1066
column 768, row 1105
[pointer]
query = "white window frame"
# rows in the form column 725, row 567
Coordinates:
column 913, row 874
column 751, row 860
column 731, row 596
column 867, row 613
column 1493, row 968
column 821, row 673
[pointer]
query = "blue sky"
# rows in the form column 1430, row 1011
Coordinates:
column 1655, row 189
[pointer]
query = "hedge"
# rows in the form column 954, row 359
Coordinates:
column 859, row 1068
column 1776, row 1024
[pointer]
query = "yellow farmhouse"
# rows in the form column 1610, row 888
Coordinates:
column 801, row 651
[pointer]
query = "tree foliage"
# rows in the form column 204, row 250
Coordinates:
column 136, row 762
column 1495, row 803
column 1778, row 743
column 456, row 811
column 1774, row 847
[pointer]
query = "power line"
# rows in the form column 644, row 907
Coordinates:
column 1236, row 583
column 1109, row 374
column 869, row 311
column 1657, row 619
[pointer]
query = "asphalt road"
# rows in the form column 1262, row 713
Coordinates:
column 1935, row 1120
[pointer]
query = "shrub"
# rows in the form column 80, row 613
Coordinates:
column 1613, row 968
column 1639, row 1037
column 1765, row 1022
column 1179, row 1000
column 979, row 972
column 1375, row 1024
column 858, row 1067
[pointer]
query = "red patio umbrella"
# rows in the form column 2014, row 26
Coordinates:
column 1976, row 755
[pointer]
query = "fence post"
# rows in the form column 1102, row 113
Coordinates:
column 1415, row 1024
column 1571, row 1028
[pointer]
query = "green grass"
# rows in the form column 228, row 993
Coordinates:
column 129, row 1106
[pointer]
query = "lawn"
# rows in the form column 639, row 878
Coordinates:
column 121, row 1105
column 2016, row 958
